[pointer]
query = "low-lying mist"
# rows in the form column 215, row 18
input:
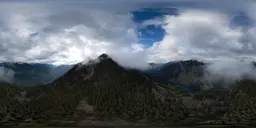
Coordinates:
column 6, row 75
column 229, row 71
column 224, row 71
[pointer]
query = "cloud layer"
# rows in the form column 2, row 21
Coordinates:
column 61, row 35
column 6, row 74
column 70, row 32
column 202, row 34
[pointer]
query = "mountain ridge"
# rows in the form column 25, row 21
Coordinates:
column 103, row 90
column 32, row 73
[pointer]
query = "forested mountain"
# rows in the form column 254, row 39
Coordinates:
column 185, row 74
column 189, row 75
column 103, row 90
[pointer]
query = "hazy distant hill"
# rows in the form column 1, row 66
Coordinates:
column 31, row 73
column 189, row 75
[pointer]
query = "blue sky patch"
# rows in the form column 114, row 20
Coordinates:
column 241, row 19
column 151, row 33
column 33, row 34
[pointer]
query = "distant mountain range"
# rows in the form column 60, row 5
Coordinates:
column 102, row 90
column 31, row 73
column 187, row 75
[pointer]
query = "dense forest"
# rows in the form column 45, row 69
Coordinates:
column 106, row 91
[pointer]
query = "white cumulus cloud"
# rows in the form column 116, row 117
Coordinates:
column 69, row 32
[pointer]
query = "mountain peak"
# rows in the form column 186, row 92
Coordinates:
column 103, row 56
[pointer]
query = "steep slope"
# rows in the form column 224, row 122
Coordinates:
column 242, row 105
column 101, row 89
column 189, row 76
column 12, row 99
column 185, row 74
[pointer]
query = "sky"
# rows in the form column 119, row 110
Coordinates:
column 132, row 32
